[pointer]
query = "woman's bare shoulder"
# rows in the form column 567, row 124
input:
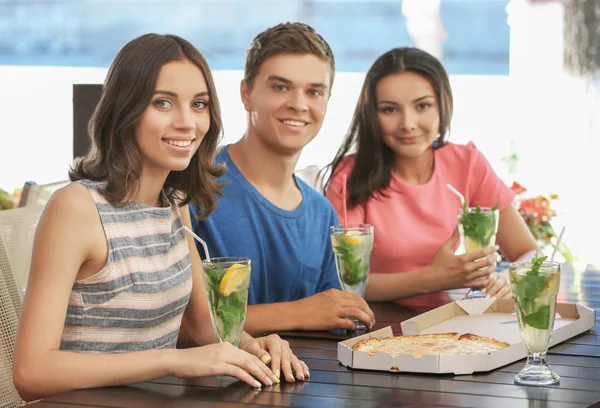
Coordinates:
column 72, row 201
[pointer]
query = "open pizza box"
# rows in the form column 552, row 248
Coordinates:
column 483, row 317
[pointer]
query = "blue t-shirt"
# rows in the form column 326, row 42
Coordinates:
column 290, row 251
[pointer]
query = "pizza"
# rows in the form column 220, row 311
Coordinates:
column 430, row 344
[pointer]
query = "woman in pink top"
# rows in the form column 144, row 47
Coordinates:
column 397, row 182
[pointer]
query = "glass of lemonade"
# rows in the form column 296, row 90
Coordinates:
column 352, row 246
column 535, row 286
column 227, row 280
column 477, row 227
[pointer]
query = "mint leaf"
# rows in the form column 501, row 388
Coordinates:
column 526, row 289
column 355, row 269
column 540, row 319
column 478, row 225
column 231, row 311
column 212, row 278
column 531, row 286
column 536, row 264
column 227, row 310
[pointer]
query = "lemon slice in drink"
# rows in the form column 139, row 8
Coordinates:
column 235, row 277
column 472, row 245
column 351, row 237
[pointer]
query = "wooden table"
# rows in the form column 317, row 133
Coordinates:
column 577, row 361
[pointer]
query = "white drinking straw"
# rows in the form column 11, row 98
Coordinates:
column 199, row 240
column 557, row 243
column 458, row 194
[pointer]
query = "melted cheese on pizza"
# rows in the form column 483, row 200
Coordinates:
column 430, row 344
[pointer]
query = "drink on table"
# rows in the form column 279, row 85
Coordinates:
column 227, row 281
column 352, row 246
column 535, row 287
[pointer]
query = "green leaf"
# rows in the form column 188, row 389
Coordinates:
column 536, row 264
column 540, row 319
column 231, row 311
column 531, row 286
column 526, row 289
column 356, row 269
column 478, row 225
column 212, row 278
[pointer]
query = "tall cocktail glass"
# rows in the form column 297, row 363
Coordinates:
column 535, row 286
column 352, row 246
column 227, row 280
column 477, row 227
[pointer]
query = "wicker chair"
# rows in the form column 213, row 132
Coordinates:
column 39, row 194
column 17, row 227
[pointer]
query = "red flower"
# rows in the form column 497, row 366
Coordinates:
column 537, row 213
column 517, row 188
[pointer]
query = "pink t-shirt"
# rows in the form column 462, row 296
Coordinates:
column 414, row 221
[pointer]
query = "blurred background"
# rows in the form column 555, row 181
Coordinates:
column 524, row 73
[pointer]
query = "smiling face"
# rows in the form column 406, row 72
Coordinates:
column 173, row 125
column 407, row 114
column 287, row 101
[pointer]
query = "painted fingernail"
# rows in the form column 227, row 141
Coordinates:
column 307, row 374
column 292, row 377
column 266, row 359
column 277, row 373
column 301, row 376
column 276, row 379
column 257, row 384
column 269, row 381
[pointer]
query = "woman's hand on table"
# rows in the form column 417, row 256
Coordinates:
column 222, row 359
column 276, row 353
column 499, row 286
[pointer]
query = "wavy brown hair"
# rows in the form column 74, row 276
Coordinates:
column 115, row 157
column 375, row 161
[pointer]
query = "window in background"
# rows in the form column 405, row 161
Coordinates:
column 82, row 33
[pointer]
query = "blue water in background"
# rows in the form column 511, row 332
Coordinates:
column 89, row 33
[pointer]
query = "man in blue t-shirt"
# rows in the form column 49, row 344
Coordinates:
column 268, row 214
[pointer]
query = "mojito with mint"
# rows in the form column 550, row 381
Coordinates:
column 227, row 281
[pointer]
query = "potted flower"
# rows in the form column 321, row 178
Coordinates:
column 537, row 213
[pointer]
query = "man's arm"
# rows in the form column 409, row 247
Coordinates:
column 327, row 310
column 273, row 317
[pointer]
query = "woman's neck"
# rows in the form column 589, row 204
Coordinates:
column 151, row 183
column 415, row 170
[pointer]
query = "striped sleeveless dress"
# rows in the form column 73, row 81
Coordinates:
column 137, row 300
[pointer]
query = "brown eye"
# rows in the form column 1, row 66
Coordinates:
column 162, row 103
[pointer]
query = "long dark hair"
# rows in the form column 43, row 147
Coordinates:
column 375, row 161
column 115, row 156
